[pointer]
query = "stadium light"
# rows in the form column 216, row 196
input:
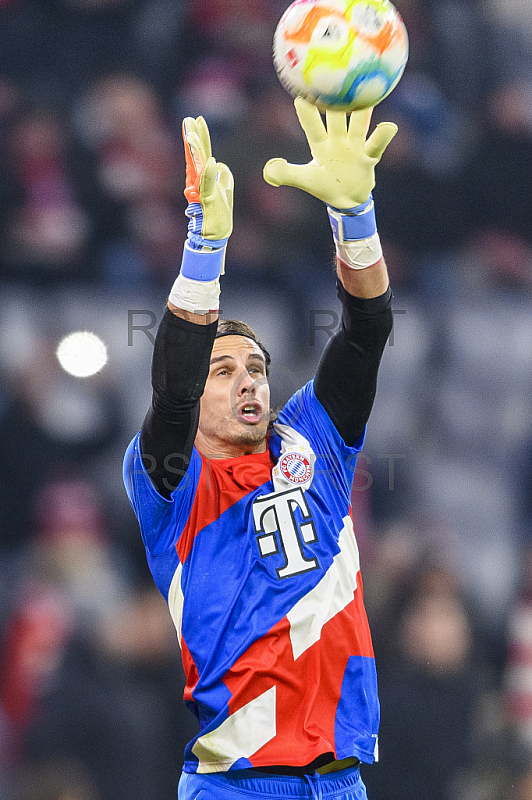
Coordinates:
column 82, row 354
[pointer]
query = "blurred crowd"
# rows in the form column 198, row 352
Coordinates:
column 92, row 94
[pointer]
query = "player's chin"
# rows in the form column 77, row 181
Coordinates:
column 252, row 433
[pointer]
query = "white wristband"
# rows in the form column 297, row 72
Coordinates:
column 360, row 253
column 198, row 297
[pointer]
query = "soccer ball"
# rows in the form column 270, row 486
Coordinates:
column 340, row 54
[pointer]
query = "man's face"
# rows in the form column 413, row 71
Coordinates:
column 235, row 406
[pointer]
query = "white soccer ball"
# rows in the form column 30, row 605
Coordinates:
column 341, row 54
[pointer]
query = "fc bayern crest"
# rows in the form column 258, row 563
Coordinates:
column 296, row 468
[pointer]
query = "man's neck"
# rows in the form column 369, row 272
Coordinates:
column 215, row 449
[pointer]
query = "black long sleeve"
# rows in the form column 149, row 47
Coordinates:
column 180, row 368
column 346, row 378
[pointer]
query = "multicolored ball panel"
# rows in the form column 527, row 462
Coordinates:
column 343, row 54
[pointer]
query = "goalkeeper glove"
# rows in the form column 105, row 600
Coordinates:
column 209, row 191
column 341, row 174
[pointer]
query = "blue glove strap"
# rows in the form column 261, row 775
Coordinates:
column 351, row 224
column 199, row 242
column 202, row 265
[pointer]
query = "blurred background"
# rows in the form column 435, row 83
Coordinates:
column 92, row 94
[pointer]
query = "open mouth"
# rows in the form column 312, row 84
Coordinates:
column 250, row 412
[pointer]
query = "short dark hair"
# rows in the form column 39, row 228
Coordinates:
column 234, row 327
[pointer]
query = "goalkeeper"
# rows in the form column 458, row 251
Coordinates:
column 246, row 521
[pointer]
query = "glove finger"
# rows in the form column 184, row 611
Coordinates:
column 203, row 132
column 359, row 124
column 196, row 149
column 277, row 172
column 273, row 171
column 311, row 122
column 380, row 139
column 208, row 179
column 336, row 124
column 225, row 178
column 192, row 175
column 188, row 126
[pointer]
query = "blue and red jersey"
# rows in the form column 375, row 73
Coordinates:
column 258, row 561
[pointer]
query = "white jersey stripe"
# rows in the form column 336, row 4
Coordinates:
column 332, row 594
column 239, row 736
column 176, row 600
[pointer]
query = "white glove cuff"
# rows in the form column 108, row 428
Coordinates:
column 198, row 297
column 360, row 253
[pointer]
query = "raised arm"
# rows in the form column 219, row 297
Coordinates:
column 186, row 334
column 342, row 174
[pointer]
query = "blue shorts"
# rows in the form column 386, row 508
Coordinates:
column 344, row 785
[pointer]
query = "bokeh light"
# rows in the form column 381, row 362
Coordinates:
column 82, row 354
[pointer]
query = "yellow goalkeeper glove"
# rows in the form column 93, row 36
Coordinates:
column 209, row 191
column 342, row 170
column 209, row 185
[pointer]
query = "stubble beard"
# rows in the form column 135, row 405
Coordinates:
column 234, row 432
column 250, row 437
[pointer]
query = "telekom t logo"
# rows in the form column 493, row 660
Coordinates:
column 277, row 530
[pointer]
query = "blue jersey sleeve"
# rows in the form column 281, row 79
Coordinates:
column 306, row 414
column 161, row 521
